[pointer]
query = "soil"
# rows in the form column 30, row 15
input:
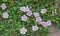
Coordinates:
column 54, row 31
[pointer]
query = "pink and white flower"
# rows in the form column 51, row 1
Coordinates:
column 23, row 30
column 24, row 9
column 35, row 28
column 24, row 18
column 29, row 13
column 36, row 14
column 38, row 19
column 3, row 6
column 49, row 23
column 44, row 24
column 43, row 11
column 5, row 15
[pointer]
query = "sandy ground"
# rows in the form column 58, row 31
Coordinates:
column 54, row 31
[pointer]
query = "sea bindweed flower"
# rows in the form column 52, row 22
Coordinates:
column 49, row 23
column 43, row 11
column 35, row 28
column 5, row 15
column 44, row 24
column 29, row 13
column 36, row 14
column 24, row 18
column 23, row 30
column 38, row 19
column 3, row 6
column 24, row 9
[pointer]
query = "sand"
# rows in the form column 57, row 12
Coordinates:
column 54, row 31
